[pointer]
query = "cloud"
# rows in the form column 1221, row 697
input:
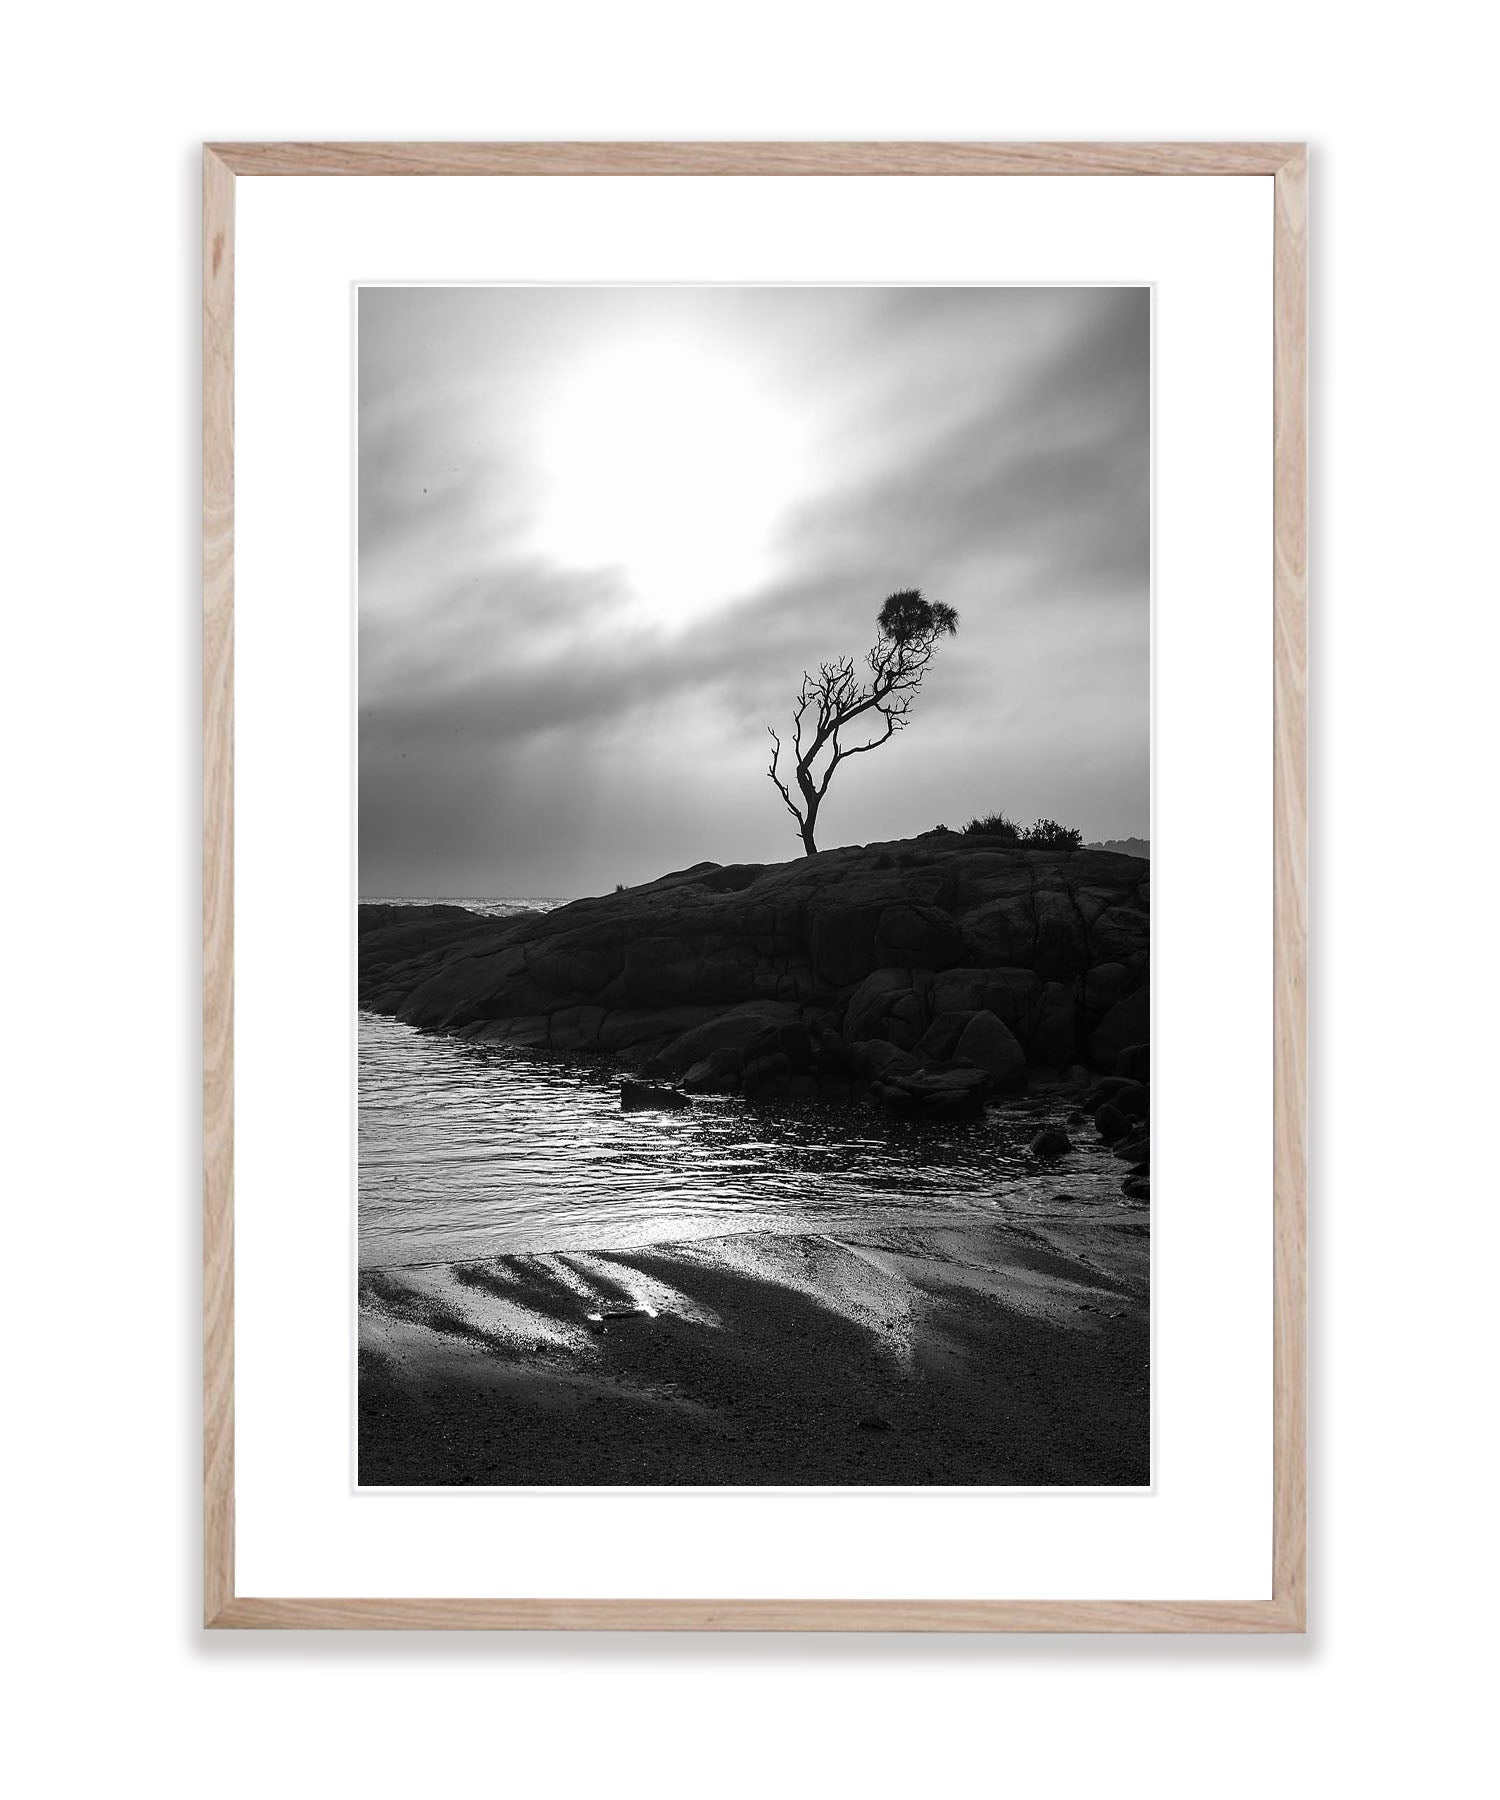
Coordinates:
column 524, row 727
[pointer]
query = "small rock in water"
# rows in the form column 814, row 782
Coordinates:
column 1111, row 1123
column 1136, row 1187
column 1051, row 1143
column 934, row 1093
column 874, row 1422
column 642, row 1096
column 1135, row 1148
column 1132, row 1099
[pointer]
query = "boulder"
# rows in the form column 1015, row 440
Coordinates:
column 1060, row 948
column 924, row 944
column 841, row 942
column 644, row 1029
column 662, row 971
column 1052, row 1039
column 934, row 1093
column 1050, row 1143
column 1105, row 1089
column 1133, row 1100
column 887, row 1004
column 875, row 1057
column 464, row 983
column 1127, row 1022
column 717, row 1073
column 1122, row 933
column 992, row 1046
column 1011, row 995
column 577, row 965
column 1104, row 986
column 940, row 1039
column 751, row 1029
column 576, row 1028
column 525, row 1034
column 918, row 937
column 1000, row 933
column 1134, row 1149
column 642, row 1096
column 1111, row 1124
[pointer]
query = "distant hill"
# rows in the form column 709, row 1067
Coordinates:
column 1123, row 846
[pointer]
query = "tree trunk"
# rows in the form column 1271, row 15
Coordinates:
column 811, row 800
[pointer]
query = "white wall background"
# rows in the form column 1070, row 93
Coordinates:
column 113, row 1682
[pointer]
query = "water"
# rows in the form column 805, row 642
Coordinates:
column 491, row 909
column 469, row 1151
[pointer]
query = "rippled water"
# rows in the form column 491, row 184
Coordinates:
column 468, row 1151
column 491, row 909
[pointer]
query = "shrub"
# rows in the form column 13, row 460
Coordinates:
column 1054, row 836
column 1046, row 833
column 994, row 825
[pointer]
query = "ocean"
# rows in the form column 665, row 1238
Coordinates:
column 468, row 1151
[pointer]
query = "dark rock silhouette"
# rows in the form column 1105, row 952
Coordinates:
column 641, row 1096
column 1051, row 1143
column 1111, row 1123
column 867, row 969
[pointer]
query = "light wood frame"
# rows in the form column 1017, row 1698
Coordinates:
column 1286, row 164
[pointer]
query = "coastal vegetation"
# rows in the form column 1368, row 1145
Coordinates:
column 1045, row 832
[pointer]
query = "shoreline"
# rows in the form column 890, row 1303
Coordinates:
column 957, row 1353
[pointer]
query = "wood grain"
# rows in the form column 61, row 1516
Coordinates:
column 754, row 159
column 1289, row 808
column 218, row 886
column 1116, row 1616
column 1286, row 1610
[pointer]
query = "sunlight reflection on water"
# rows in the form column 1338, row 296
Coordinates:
column 469, row 1151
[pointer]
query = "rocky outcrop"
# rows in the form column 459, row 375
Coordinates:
column 933, row 973
column 642, row 1096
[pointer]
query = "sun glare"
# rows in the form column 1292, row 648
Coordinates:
column 673, row 464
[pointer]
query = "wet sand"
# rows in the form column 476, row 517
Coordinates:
column 957, row 1352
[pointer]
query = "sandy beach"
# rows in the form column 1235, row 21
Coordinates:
column 949, row 1353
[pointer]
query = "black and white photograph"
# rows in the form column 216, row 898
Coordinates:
column 754, row 941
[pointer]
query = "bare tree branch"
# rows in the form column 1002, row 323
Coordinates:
column 909, row 631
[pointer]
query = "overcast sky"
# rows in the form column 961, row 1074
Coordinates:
column 602, row 531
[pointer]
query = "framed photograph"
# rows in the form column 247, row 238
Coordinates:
column 710, row 1122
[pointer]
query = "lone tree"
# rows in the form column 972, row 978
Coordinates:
column 834, row 699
